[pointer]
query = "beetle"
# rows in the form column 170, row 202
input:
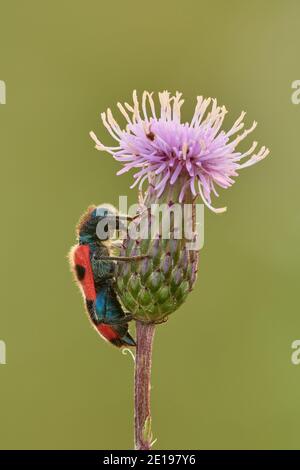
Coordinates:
column 93, row 266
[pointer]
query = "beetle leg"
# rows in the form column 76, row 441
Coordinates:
column 120, row 321
column 123, row 258
column 131, row 218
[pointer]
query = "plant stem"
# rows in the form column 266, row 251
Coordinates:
column 143, row 360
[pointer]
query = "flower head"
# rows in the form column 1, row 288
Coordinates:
column 159, row 146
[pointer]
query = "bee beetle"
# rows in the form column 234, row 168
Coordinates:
column 94, row 269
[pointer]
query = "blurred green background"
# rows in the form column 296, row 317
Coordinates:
column 222, row 373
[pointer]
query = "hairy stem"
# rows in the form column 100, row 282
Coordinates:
column 143, row 360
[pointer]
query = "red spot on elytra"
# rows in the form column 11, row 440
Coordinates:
column 82, row 259
column 107, row 332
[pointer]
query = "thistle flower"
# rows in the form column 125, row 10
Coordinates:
column 178, row 162
column 198, row 154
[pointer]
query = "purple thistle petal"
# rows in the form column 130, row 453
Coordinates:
column 162, row 144
column 176, row 173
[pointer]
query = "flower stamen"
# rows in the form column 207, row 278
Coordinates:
column 196, row 152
